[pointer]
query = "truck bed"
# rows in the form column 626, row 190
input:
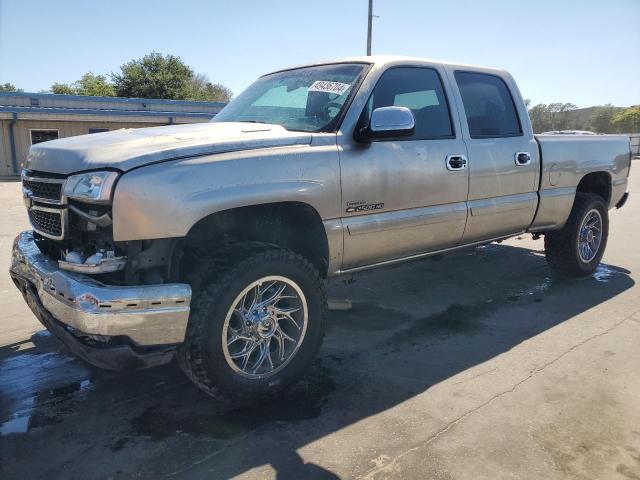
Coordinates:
column 565, row 160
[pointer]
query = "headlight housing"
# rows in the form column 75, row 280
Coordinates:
column 92, row 187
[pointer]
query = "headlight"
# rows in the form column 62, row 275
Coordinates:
column 93, row 187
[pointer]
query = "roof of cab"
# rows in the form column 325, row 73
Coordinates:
column 382, row 60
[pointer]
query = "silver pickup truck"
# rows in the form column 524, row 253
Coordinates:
column 214, row 241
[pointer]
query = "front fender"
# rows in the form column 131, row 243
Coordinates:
column 166, row 200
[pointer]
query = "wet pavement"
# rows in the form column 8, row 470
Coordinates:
column 482, row 364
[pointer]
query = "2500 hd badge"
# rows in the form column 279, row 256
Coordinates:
column 362, row 206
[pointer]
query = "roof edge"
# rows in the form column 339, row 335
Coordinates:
column 157, row 101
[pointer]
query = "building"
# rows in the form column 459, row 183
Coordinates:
column 28, row 118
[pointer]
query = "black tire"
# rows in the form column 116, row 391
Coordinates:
column 201, row 356
column 561, row 247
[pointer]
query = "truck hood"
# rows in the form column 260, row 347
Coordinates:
column 134, row 147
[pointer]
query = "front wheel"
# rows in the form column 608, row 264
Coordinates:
column 576, row 249
column 256, row 326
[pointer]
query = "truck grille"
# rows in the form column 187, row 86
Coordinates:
column 39, row 192
column 48, row 221
column 43, row 190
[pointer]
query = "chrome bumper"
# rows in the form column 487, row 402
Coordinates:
column 148, row 315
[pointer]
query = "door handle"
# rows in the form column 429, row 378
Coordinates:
column 522, row 158
column 456, row 162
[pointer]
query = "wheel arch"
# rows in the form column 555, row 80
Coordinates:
column 599, row 183
column 291, row 224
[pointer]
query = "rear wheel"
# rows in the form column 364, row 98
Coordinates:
column 255, row 326
column 576, row 249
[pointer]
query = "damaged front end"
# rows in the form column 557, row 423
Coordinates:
column 73, row 225
column 72, row 219
column 112, row 303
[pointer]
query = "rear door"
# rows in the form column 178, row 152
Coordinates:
column 503, row 156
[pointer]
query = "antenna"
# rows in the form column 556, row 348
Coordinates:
column 369, row 25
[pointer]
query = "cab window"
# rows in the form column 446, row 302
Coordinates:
column 488, row 105
column 421, row 91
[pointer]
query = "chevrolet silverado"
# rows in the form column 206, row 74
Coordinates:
column 214, row 242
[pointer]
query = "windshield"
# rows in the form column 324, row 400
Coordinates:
column 309, row 99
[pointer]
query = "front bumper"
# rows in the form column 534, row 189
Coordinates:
column 82, row 312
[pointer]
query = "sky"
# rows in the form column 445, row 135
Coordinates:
column 586, row 52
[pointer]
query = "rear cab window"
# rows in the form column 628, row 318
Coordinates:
column 488, row 105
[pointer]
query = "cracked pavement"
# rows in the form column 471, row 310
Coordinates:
column 480, row 365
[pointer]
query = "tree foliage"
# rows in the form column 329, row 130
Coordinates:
column 599, row 119
column 152, row 76
column 62, row 89
column 627, row 121
column 95, row 85
column 551, row 117
column 89, row 84
column 159, row 76
column 9, row 87
column 201, row 88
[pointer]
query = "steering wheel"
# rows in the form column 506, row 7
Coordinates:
column 329, row 106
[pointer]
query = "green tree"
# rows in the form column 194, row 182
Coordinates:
column 558, row 115
column 89, row 84
column 200, row 88
column 601, row 118
column 94, row 85
column 540, row 116
column 63, row 89
column 154, row 76
column 627, row 121
column 9, row 87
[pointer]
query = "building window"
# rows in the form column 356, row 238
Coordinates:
column 98, row 130
column 38, row 135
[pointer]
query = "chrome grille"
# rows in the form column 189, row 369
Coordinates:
column 49, row 222
column 43, row 190
column 45, row 201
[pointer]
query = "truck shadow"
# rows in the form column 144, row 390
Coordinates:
column 410, row 328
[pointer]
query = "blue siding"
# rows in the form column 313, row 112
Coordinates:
column 87, row 111
column 154, row 101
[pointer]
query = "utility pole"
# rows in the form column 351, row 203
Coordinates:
column 369, row 25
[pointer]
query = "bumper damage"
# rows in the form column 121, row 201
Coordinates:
column 113, row 327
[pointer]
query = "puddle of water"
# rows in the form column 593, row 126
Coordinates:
column 530, row 290
column 604, row 273
column 19, row 421
column 34, row 383
column 483, row 249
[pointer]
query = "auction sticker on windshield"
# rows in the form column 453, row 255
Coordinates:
column 329, row 87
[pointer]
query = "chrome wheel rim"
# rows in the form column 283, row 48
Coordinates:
column 265, row 327
column 590, row 236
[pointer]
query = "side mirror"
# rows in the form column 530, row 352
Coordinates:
column 389, row 122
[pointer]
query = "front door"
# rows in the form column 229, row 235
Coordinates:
column 402, row 197
column 503, row 159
